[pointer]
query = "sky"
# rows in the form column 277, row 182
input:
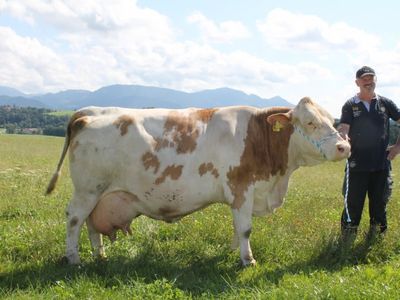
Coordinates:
column 269, row 48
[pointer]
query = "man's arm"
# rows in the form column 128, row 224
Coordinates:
column 394, row 149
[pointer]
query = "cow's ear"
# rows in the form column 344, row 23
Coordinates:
column 279, row 121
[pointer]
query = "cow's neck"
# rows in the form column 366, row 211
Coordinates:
column 302, row 153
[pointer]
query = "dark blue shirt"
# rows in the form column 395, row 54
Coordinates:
column 369, row 132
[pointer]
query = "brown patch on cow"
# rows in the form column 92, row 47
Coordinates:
column 123, row 123
column 174, row 172
column 163, row 143
column 265, row 154
column 181, row 132
column 204, row 115
column 150, row 161
column 73, row 221
column 77, row 124
column 208, row 167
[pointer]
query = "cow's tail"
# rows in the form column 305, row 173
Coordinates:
column 52, row 184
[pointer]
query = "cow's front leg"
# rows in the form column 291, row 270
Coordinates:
column 96, row 240
column 77, row 212
column 242, row 224
column 235, row 239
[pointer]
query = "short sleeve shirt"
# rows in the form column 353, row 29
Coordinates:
column 369, row 131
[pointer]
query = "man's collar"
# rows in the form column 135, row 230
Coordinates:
column 357, row 99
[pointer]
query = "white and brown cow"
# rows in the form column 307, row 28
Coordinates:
column 166, row 164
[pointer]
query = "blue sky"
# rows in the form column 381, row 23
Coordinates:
column 287, row 48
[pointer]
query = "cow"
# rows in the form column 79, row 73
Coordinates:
column 168, row 163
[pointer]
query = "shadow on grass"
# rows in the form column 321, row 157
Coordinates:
column 331, row 254
column 201, row 274
column 336, row 253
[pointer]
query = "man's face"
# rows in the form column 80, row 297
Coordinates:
column 366, row 83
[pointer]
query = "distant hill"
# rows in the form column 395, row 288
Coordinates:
column 21, row 102
column 7, row 91
column 137, row 96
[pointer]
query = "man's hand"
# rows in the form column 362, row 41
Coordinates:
column 393, row 151
column 343, row 130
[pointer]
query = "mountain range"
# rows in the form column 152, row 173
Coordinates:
column 136, row 96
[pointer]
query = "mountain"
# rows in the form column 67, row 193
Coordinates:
column 7, row 91
column 21, row 101
column 137, row 96
column 63, row 100
column 227, row 96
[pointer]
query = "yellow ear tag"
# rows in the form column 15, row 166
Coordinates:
column 277, row 126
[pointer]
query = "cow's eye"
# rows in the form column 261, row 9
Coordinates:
column 310, row 123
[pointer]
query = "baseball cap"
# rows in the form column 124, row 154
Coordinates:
column 365, row 70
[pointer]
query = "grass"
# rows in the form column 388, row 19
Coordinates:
column 62, row 113
column 296, row 248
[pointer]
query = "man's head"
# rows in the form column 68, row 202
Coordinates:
column 365, row 71
column 366, row 79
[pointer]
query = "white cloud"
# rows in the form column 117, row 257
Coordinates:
column 223, row 32
column 286, row 30
column 26, row 62
column 143, row 52
column 72, row 16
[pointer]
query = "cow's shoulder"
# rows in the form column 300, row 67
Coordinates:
column 265, row 153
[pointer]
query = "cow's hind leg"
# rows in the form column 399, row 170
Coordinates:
column 242, row 219
column 96, row 240
column 77, row 212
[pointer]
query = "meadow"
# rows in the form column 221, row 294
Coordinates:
column 297, row 250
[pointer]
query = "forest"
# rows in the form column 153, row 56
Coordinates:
column 30, row 120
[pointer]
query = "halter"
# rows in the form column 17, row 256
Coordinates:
column 317, row 143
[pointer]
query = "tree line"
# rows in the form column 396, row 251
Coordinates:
column 30, row 120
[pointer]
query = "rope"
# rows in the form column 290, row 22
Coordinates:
column 318, row 144
column 347, row 192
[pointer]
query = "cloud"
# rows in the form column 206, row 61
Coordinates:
column 93, row 48
column 283, row 29
column 144, row 51
column 223, row 32
column 71, row 16
column 25, row 62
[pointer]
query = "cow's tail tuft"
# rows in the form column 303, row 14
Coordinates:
column 52, row 184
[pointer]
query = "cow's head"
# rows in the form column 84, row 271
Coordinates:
column 314, row 131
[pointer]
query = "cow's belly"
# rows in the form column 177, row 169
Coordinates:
column 160, row 198
column 172, row 201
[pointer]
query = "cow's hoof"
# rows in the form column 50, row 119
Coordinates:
column 101, row 258
column 63, row 261
column 249, row 263
column 67, row 261
column 72, row 259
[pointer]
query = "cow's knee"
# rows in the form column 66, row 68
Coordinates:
column 76, row 213
column 242, row 220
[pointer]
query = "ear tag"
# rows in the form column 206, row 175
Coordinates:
column 277, row 126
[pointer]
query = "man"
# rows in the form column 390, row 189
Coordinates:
column 365, row 123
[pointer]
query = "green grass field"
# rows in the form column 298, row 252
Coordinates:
column 296, row 248
column 62, row 113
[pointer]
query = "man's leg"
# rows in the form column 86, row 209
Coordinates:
column 354, row 192
column 379, row 190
